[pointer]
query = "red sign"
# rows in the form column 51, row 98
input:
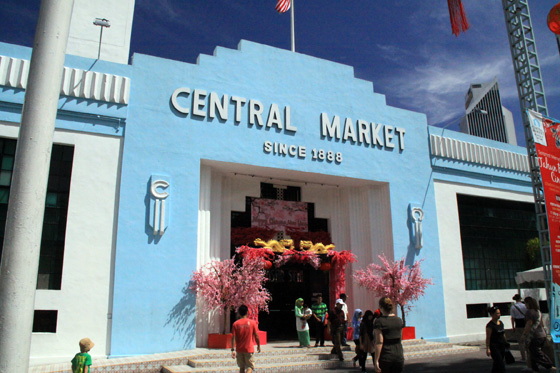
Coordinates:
column 546, row 133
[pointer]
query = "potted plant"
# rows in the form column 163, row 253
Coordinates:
column 396, row 280
column 225, row 285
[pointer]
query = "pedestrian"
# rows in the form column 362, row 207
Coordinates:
column 82, row 360
column 367, row 338
column 301, row 323
column 496, row 343
column 356, row 321
column 307, row 313
column 535, row 335
column 243, row 332
column 336, row 327
column 319, row 315
column 345, row 325
column 389, row 357
column 518, row 312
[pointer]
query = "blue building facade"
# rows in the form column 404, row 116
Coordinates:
column 194, row 141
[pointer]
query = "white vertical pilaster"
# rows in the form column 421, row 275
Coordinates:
column 361, row 245
column 204, row 323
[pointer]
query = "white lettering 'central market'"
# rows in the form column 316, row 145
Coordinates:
column 203, row 104
column 200, row 103
column 362, row 132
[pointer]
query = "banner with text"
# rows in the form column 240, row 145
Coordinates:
column 546, row 133
column 278, row 215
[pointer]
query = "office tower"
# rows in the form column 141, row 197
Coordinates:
column 485, row 116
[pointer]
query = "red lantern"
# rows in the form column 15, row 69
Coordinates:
column 553, row 19
column 267, row 264
column 325, row 267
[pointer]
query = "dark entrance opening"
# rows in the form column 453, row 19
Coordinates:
column 290, row 281
column 286, row 284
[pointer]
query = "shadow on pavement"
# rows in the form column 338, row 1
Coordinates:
column 462, row 363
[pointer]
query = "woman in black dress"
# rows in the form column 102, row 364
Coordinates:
column 496, row 340
column 367, row 340
column 389, row 357
column 535, row 335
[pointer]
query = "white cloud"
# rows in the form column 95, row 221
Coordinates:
column 437, row 86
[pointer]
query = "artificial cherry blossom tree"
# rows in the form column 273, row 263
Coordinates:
column 226, row 285
column 402, row 283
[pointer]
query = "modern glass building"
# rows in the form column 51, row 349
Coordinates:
column 485, row 116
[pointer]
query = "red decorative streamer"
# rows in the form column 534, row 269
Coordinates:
column 459, row 22
column 248, row 235
column 315, row 237
column 339, row 260
column 262, row 253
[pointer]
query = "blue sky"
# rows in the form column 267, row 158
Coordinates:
column 405, row 48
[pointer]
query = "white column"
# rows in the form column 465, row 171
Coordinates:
column 22, row 241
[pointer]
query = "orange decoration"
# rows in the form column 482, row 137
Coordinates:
column 553, row 19
column 325, row 266
column 267, row 264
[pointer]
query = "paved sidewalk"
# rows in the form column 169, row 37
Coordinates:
column 471, row 362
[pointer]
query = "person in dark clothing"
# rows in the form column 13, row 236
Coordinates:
column 535, row 335
column 356, row 322
column 319, row 314
column 336, row 327
column 367, row 339
column 389, row 356
column 496, row 343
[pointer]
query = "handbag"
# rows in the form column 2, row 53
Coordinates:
column 509, row 357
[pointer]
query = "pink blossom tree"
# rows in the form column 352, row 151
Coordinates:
column 402, row 283
column 225, row 285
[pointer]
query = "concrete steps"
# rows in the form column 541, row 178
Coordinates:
column 285, row 359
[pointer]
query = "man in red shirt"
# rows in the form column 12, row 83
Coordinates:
column 243, row 332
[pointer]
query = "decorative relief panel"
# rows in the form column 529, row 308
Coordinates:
column 445, row 147
column 75, row 82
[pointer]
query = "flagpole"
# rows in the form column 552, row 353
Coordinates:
column 293, row 29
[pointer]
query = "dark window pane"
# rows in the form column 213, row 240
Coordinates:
column 494, row 234
column 51, row 200
column 9, row 147
column 4, row 195
column 477, row 310
column 7, row 163
column 44, row 321
column 56, row 210
column 5, row 177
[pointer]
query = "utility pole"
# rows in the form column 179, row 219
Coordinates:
column 530, row 89
column 26, row 207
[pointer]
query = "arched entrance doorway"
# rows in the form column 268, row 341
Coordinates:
column 291, row 280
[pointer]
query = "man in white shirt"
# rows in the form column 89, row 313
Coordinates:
column 518, row 312
column 345, row 310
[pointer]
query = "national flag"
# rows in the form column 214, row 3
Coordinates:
column 282, row 6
